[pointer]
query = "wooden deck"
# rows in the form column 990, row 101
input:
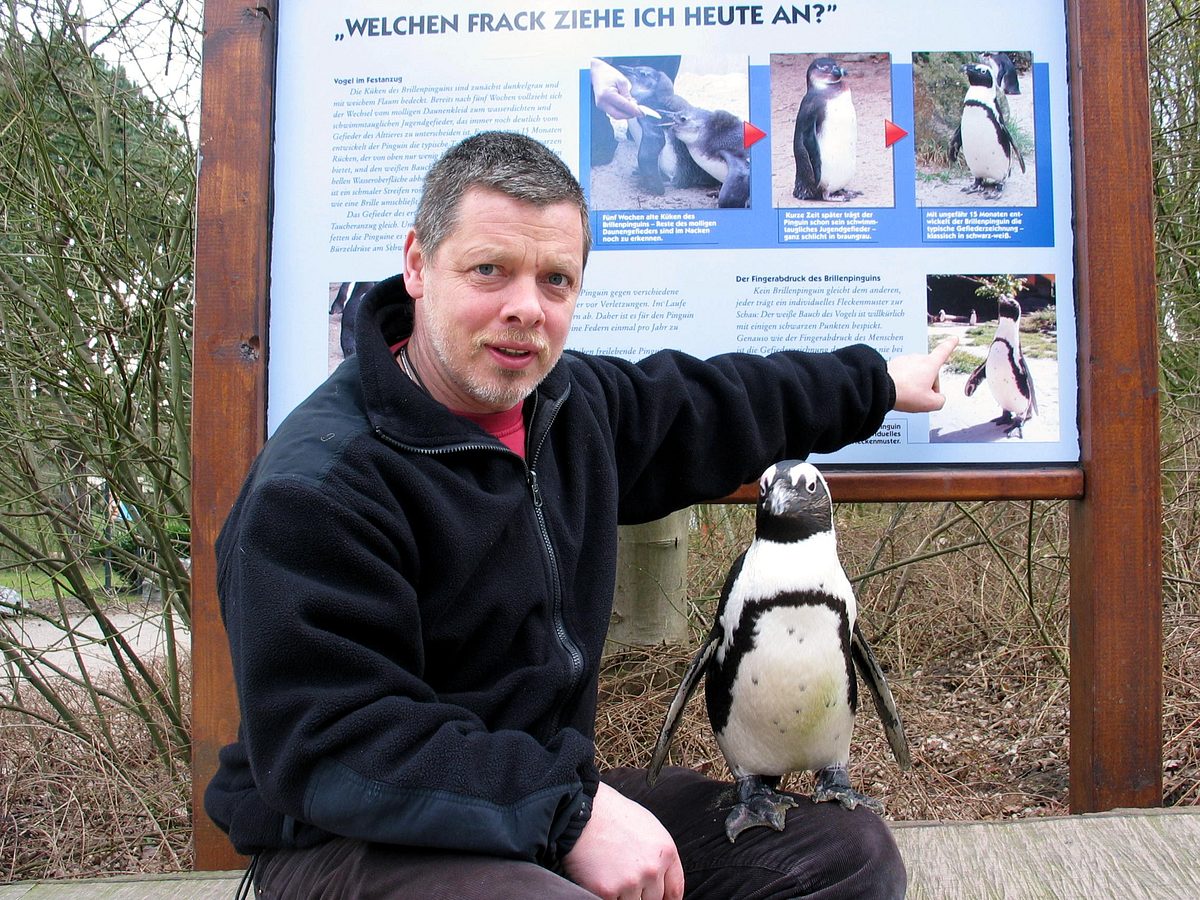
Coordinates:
column 1127, row 854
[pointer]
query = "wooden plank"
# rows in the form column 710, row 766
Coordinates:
column 1116, row 528
column 178, row 886
column 848, row 485
column 229, row 403
column 1133, row 855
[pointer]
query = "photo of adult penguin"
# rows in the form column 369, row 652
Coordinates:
column 1004, row 73
column 1007, row 374
column 967, row 127
column 1006, row 325
column 779, row 662
column 715, row 141
column 982, row 136
column 833, row 107
column 657, row 155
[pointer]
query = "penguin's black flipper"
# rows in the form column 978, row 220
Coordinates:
column 955, row 143
column 1025, row 384
column 1015, row 149
column 687, row 687
column 975, row 379
column 885, row 704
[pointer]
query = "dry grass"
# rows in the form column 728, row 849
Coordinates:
column 70, row 807
column 974, row 641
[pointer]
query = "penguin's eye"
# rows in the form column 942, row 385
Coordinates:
column 811, row 486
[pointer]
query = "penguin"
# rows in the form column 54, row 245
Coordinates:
column 654, row 90
column 825, row 140
column 985, row 141
column 715, row 140
column 1004, row 73
column 779, row 661
column 1007, row 374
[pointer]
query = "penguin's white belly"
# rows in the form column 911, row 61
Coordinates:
column 789, row 706
column 1002, row 381
column 837, row 141
column 981, row 146
column 714, row 166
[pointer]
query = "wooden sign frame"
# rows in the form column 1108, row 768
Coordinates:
column 1115, row 494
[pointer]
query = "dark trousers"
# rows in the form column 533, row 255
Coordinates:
column 825, row 852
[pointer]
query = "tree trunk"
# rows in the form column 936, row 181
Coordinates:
column 650, row 601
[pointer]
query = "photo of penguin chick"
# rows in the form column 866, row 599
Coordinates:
column 1006, row 372
column 779, row 661
column 715, row 141
column 834, row 107
column 984, row 139
column 688, row 141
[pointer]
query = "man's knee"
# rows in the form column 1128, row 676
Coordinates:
column 857, row 857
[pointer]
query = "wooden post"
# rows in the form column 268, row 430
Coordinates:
column 650, row 601
column 1116, row 527
column 229, row 394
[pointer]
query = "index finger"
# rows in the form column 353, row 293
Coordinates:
column 942, row 351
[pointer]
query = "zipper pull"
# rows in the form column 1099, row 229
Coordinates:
column 535, row 490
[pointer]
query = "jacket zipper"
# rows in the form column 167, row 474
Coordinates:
column 574, row 654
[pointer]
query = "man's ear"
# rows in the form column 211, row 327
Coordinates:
column 414, row 266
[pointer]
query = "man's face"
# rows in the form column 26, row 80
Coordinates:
column 494, row 303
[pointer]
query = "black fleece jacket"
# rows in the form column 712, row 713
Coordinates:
column 416, row 615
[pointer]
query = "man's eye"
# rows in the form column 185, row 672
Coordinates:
column 486, row 269
column 558, row 279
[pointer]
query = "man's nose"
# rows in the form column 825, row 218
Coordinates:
column 523, row 305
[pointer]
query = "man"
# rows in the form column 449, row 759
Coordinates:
column 417, row 577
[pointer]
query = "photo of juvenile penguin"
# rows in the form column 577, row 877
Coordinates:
column 825, row 139
column 780, row 659
column 828, row 115
column 1007, row 374
column 984, row 139
column 973, row 132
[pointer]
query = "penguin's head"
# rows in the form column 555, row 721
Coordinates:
column 1009, row 308
column 793, row 502
column 978, row 75
column 647, row 84
column 823, row 72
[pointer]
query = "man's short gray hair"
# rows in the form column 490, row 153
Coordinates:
column 512, row 164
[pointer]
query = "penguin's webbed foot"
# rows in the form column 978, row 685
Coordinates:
column 843, row 195
column 974, row 187
column 757, row 805
column 833, row 783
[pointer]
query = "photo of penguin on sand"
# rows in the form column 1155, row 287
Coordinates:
column 687, row 149
column 973, row 129
column 1001, row 382
column 827, row 125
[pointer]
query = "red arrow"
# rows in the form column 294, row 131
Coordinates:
column 751, row 135
column 892, row 133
